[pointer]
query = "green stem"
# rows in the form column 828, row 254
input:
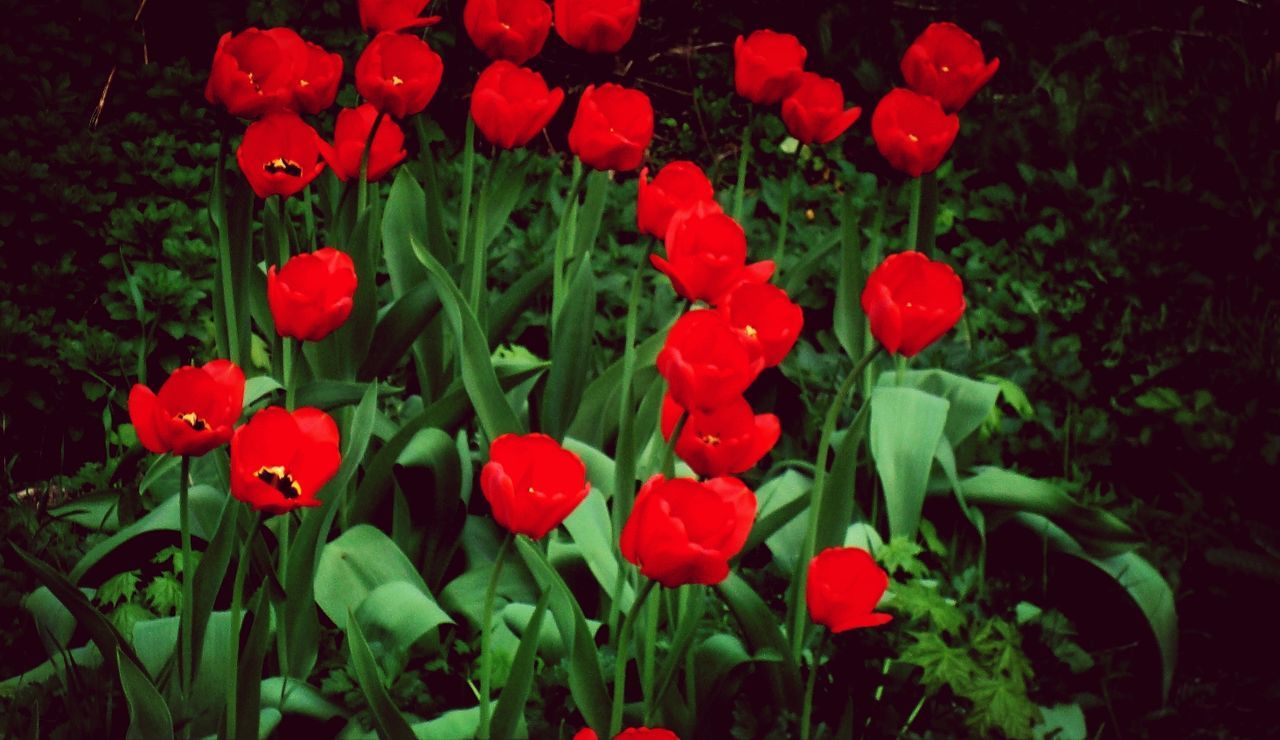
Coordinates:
column 913, row 224
column 928, row 212
column 620, row 665
column 224, row 256
column 564, row 246
column 362, row 183
column 188, row 571
column 912, row 717
column 781, row 244
column 237, row 609
column 468, row 181
column 309, row 216
column 806, row 713
column 290, row 370
column 282, row 631
column 744, row 155
column 653, row 612
column 486, row 659
column 668, row 455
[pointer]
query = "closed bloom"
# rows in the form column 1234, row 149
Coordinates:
column 280, row 460
column 312, row 294
column 767, row 66
column 843, row 588
column 912, row 131
column 766, row 317
column 511, row 104
column 398, row 73
column 514, row 30
column 705, row 361
column 597, row 26
column 947, row 64
column 349, row 137
column 677, row 186
column 815, row 112
column 707, row 254
column 910, row 301
column 377, row 16
column 727, row 439
column 280, row 155
column 612, row 128
column 317, row 77
column 684, row 531
column 253, row 71
column 532, row 483
column 194, row 411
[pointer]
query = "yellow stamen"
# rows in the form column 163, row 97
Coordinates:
column 945, row 68
column 710, row 439
column 195, row 422
column 913, row 137
column 750, row 331
column 278, row 478
column 303, row 83
column 395, row 80
column 280, row 164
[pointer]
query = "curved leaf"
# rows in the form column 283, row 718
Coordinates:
column 390, row 723
column 148, row 714
column 906, row 425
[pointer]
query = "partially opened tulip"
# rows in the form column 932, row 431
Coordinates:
column 280, row 155
column 511, row 104
column 705, row 361
column 912, row 131
column 815, row 112
column 312, row 294
column 532, row 483
column 725, row 440
column 767, row 66
column 398, row 73
column 317, row 78
column 377, row 16
column 947, row 64
column 350, row 136
column 514, row 30
column 612, row 128
column 707, row 254
column 194, row 411
column 843, row 587
column 254, row 71
column 677, row 186
column 911, row 301
column 597, row 26
column 280, row 460
column 767, row 318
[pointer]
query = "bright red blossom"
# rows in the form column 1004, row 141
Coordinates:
column 912, row 131
column 312, row 294
column 532, row 483
column 630, row 733
column 766, row 318
column 511, row 104
column 815, row 112
column 377, row 16
column 316, row 78
column 280, row 155
column 281, row 460
column 707, row 254
column 911, row 301
column 677, row 186
column 947, row 64
column 705, row 361
column 349, row 138
column 767, row 65
column 843, row 588
column 253, row 71
column 398, row 73
column 726, row 440
column 194, row 411
column 514, row 30
column 597, row 26
column 612, row 128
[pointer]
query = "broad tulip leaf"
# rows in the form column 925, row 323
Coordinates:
column 354, row 565
column 598, row 184
column 299, row 698
column 148, row 714
column 597, row 418
column 400, row 326
column 847, row 317
column 906, row 425
column 591, row 529
column 397, row 614
column 781, row 501
column 570, row 352
column 327, row 395
column 515, row 691
column 387, row 718
column 210, row 573
column 971, row 400
column 248, row 674
column 836, row 507
column 717, row 657
column 506, row 308
column 760, row 627
column 994, row 486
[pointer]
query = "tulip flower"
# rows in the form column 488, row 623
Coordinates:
column 912, row 131
column 253, row 71
column 677, row 186
column 726, row 440
column 766, row 317
column 707, row 254
column 815, row 112
column 280, row 460
column 705, row 361
column 312, row 294
column 514, row 30
column 194, row 411
column 532, row 483
column 843, row 588
column 511, row 104
column 398, row 73
column 911, row 301
column 377, row 16
column 350, row 136
column 947, row 64
column 630, row 733
column 612, row 128
column 684, row 531
column 280, row 155
column 597, row 26
column 767, row 66
column 317, row 78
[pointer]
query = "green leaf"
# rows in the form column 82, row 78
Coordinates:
column 1061, row 722
column 122, row 587
column 847, row 318
column 400, row 325
column 299, row 698
column 258, row 387
column 971, row 401
column 717, row 657
column 249, row 673
column 570, row 352
column 206, row 508
column 781, row 501
column 389, row 721
column 148, row 714
column 327, row 395
column 906, row 425
column 515, row 692
column 590, row 527
column 760, row 627
column 598, row 183
column 395, row 615
column 210, row 572
column 596, row 420
column 836, row 508
column 354, row 565
column 995, row 486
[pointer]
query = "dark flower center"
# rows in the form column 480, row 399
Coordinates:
column 193, row 421
column 278, row 478
column 280, row 164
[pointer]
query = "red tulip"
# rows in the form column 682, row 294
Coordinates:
column 705, row 361
column 912, row 131
column 194, row 411
column 612, row 127
column 766, row 318
column 947, row 64
column 707, row 254
column 815, row 112
column 726, row 440
column 597, row 26
column 677, row 186
column 317, row 78
column 630, row 733
column 280, row 154
column 253, row 71
column 767, row 65
column 281, row 460
column 532, row 483
column 377, row 16
column 843, row 588
column 511, row 104
column 312, row 294
column 398, row 73
column 349, row 138
column 514, row 30
column 684, row 531
column 910, row 301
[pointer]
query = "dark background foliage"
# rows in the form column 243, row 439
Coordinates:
column 1113, row 207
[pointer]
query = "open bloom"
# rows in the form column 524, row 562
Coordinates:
column 947, row 64
column 514, row 30
column 707, row 254
column 815, row 112
column 597, row 26
column 350, row 135
column 767, row 65
column 312, row 294
column 280, row 154
column 685, row 531
column 532, row 483
column 912, row 131
column 910, row 301
column 612, row 128
column 253, row 71
column 194, row 411
column 398, row 73
column 843, row 588
column 511, row 104
column 705, row 361
column 766, row 317
column 677, row 186
column 725, row 440
column 281, row 460
column 377, row 16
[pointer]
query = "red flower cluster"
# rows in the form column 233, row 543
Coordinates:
column 769, row 68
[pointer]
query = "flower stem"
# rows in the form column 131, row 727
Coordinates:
column 744, row 155
column 309, row 216
column 186, row 659
column 486, row 659
column 282, row 633
column 913, row 224
column 783, row 218
column 564, row 246
column 668, row 455
column 233, row 641
column 807, row 712
column 620, row 665
column 468, row 182
column 928, row 212
column 362, row 184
